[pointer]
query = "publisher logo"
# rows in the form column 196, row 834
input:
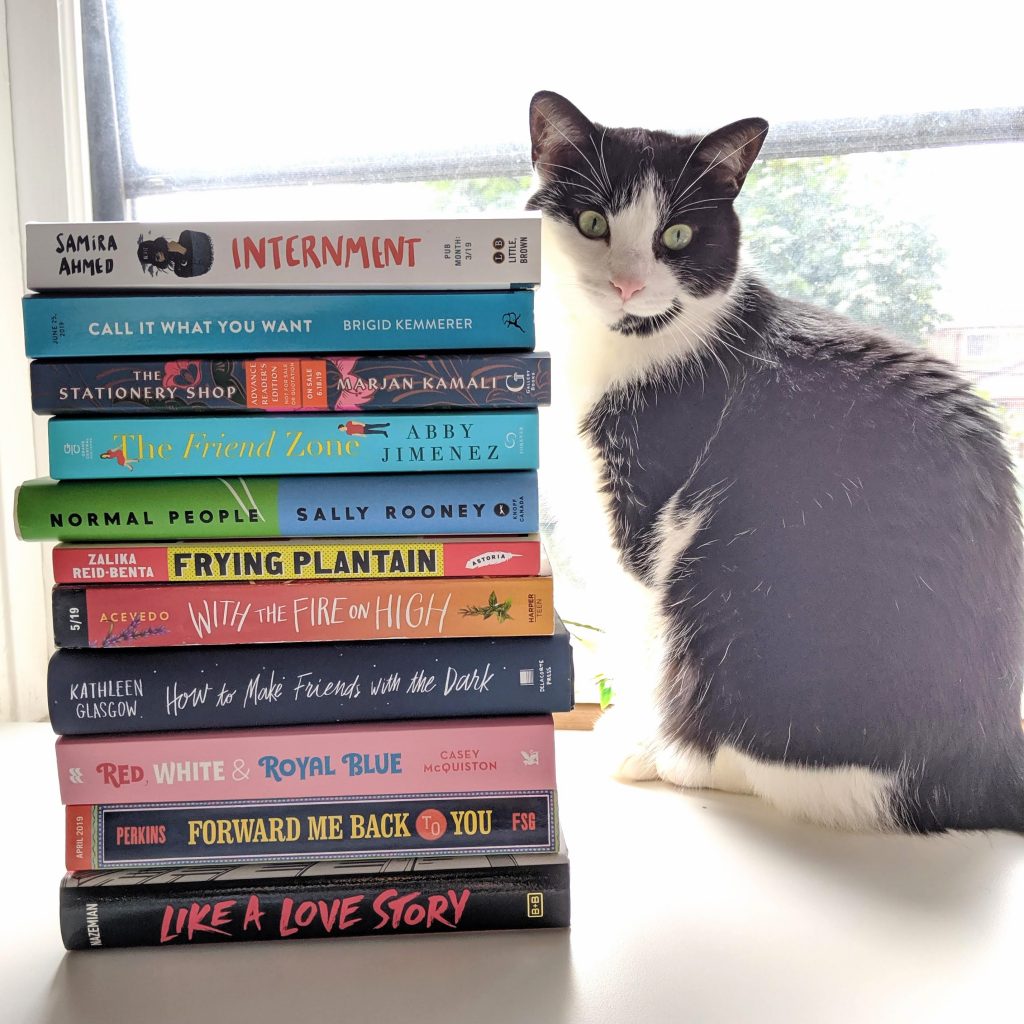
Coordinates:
column 535, row 904
column 498, row 243
column 498, row 257
column 501, row 510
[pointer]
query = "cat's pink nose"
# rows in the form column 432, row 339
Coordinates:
column 627, row 287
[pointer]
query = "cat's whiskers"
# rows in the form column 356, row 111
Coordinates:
column 720, row 160
column 692, row 209
column 734, row 316
column 686, row 164
column 697, row 343
column 675, row 211
column 593, row 187
column 601, row 160
column 574, row 146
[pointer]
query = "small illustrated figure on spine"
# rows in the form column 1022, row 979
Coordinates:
column 190, row 256
column 118, row 455
column 357, row 428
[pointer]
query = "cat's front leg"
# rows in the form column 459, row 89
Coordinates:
column 651, row 691
column 638, row 730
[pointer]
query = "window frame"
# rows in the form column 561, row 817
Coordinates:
column 109, row 143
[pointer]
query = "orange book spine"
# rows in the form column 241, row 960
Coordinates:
column 294, row 612
column 79, row 837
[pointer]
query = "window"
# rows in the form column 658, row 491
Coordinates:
column 885, row 189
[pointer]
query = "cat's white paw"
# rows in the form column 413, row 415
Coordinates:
column 685, row 766
column 628, row 745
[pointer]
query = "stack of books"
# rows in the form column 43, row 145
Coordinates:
column 308, row 653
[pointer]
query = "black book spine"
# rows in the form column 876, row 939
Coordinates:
column 185, row 688
column 106, row 916
column 70, row 617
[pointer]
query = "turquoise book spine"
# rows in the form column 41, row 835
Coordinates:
column 251, row 323
column 205, row 446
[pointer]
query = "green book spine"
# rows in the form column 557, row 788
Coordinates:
column 177, row 508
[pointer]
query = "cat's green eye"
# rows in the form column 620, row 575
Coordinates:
column 592, row 224
column 678, row 236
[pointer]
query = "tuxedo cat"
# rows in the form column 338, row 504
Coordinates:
column 817, row 524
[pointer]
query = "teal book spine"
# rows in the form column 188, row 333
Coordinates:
column 205, row 446
column 130, row 326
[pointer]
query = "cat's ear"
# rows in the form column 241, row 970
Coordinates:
column 556, row 129
column 730, row 152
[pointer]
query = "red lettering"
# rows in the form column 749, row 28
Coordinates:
column 436, row 906
column 253, row 914
column 254, row 251
column 331, row 253
column 198, row 911
column 275, row 243
column 349, row 909
column 411, row 245
column 289, row 251
column 328, row 913
column 379, row 905
column 393, row 250
column 393, row 910
column 356, row 247
column 118, row 775
column 220, row 914
column 165, row 925
column 306, row 914
column 309, row 250
column 191, row 919
column 458, row 903
column 286, row 911
column 378, row 256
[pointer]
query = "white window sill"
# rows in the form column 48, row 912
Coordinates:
column 686, row 906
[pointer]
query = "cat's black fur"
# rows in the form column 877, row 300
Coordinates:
column 855, row 595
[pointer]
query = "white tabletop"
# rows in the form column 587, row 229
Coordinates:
column 686, row 907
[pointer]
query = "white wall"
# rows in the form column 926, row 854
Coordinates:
column 34, row 185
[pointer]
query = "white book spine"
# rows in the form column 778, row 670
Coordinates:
column 419, row 254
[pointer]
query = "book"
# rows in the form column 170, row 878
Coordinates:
column 249, row 323
column 208, row 508
column 154, row 689
column 399, row 255
column 440, row 756
column 327, row 828
column 292, row 384
column 293, row 559
column 167, row 614
column 402, row 442
column 306, row 900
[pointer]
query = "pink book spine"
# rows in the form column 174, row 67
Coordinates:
column 441, row 756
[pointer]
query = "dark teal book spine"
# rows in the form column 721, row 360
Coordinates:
column 132, row 326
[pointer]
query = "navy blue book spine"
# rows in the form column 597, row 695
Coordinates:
column 185, row 688
column 326, row 828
